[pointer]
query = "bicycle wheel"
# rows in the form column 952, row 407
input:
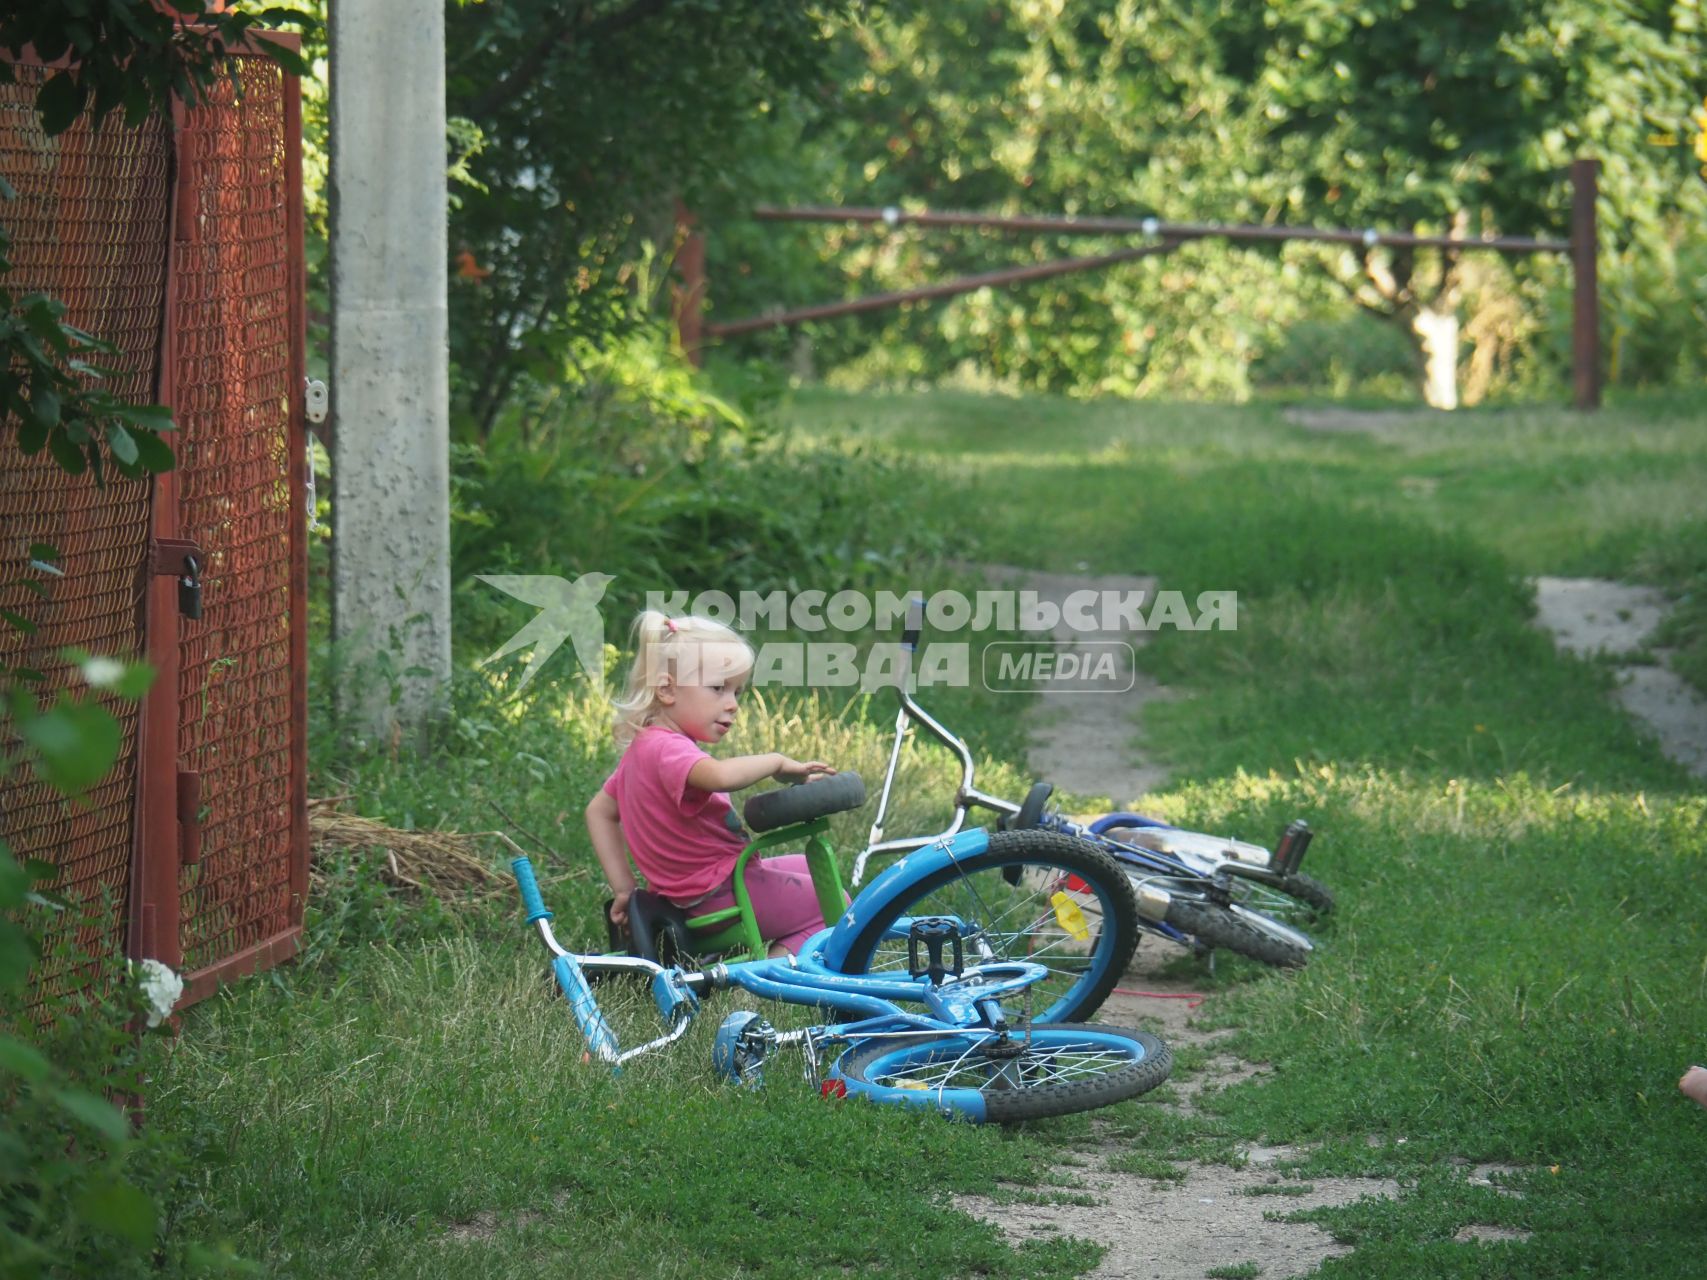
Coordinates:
column 1297, row 899
column 1243, row 932
column 1031, row 895
column 980, row 1075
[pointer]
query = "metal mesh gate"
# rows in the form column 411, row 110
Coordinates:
column 183, row 247
column 232, row 395
column 88, row 227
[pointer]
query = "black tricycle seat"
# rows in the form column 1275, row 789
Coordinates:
column 804, row 801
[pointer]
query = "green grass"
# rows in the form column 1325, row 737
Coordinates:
column 430, row 1114
column 1516, row 973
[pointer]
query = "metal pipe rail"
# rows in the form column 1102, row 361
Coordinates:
column 1049, row 224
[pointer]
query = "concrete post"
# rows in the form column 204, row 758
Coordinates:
column 390, row 365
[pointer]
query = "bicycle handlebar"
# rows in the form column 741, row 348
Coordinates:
column 965, row 795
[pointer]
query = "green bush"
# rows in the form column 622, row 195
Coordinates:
column 667, row 484
column 1339, row 354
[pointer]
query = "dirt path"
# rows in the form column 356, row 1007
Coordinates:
column 1589, row 616
column 1205, row 1216
column 1087, row 742
column 1208, row 1215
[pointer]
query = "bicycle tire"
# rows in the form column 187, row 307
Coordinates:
column 1057, row 1070
column 976, row 890
column 1241, row 932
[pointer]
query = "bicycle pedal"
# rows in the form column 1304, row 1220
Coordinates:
column 935, row 933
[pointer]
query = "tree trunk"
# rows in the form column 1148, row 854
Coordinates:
column 1438, row 332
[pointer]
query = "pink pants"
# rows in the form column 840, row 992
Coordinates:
column 784, row 902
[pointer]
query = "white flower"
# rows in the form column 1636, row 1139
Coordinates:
column 103, row 673
column 160, row 988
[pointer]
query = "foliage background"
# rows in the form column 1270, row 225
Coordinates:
column 1345, row 113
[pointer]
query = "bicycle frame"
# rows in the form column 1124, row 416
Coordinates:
column 1198, row 869
column 971, row 1001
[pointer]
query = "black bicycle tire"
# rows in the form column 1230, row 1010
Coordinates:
column 1036, row 1102
column 1035, row 848
column 1217, row 926
column 786, row 806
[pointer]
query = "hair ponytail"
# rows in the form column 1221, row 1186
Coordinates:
column 673, row 648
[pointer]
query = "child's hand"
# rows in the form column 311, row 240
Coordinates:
column 795, row 770
column 619, row 908
column 1694, row 1084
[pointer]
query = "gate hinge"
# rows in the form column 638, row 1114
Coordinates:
column 315, row 400
column 189, row 817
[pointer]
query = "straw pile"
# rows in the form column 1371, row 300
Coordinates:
column 448, row 863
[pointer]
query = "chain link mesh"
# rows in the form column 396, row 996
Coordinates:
column 88, row 227
column 232, row 328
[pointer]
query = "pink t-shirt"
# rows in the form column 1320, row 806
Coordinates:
column 677, row 833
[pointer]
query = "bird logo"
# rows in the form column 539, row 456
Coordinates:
column 567, row 611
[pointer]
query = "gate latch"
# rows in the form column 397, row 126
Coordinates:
column 182, row 560
column 190, row 589
column 315, row 400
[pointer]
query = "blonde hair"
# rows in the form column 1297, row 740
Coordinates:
column 688, row 650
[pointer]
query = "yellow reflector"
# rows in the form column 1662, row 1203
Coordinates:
column 1069, row 917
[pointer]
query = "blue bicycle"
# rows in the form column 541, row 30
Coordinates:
column 970, row 1040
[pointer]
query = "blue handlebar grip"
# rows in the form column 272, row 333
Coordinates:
column 532, row 903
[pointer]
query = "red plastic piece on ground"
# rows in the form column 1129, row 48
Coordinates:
column 833, row 1089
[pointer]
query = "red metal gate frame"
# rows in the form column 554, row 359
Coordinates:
column 167, row 825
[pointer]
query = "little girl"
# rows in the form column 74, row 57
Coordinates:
column 667, row 804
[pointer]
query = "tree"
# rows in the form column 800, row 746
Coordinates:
column 1381, row 113
column 1462, row 116
column 590, row 121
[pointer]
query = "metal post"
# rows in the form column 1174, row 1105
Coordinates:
column 154, row 932
column 1585, row 326
column 688, row 298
